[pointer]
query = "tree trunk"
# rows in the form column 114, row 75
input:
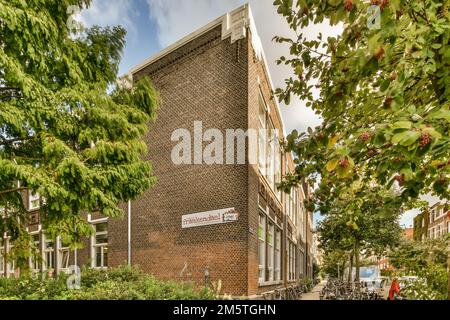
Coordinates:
column 350, row 270
column 357, row 261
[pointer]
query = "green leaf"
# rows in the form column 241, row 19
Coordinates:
column 402, row 125
column 432, row 132
column 405, row 138
column 331, row 165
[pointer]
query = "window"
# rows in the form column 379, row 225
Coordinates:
column 262, row 247
column 49, row 250
column 33, row 200
column 100, row 245
column 2, row 258
column 294, row 206
column 35, row 260
column 291, row 261
column 11, row 263
column 262, row 138
column 64, row 255
column 277, row 166
column 271, row 156
column 270, row 251
column 277, row 275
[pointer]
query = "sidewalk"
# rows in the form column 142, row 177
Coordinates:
column 314, row 294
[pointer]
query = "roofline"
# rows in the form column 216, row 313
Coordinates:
column 199, row 32
column 183, row 41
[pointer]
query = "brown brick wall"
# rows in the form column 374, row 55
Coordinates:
column 205, row 80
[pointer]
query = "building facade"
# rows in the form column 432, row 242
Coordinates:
column 433, row 223
column 206, row 220
column 421, row 226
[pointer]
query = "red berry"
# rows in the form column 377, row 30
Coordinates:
column 348, row 5
column 383, row 3
column 393, row 76
column 379, row 53
column 388, row 101
column 425, row 139
column 400, row 178
column 344, row 162
column 365, row 136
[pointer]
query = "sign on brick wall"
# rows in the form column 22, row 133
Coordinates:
column 209, row 217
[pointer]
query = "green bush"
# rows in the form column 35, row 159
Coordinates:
column 122, row 283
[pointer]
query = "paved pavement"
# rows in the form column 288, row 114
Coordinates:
column 314, row 293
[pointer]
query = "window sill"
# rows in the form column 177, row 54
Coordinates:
column 270, row 283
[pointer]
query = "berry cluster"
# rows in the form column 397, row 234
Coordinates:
column 425, row 139
column 388, row 101
column 348, row 5
column 344, row 162
column 381, row 3
column 365, row 136
column 400, row 178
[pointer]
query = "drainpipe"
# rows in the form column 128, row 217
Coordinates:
column 129, row 232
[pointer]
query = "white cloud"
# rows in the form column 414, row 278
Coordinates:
column 178, row 18
column 111, row 13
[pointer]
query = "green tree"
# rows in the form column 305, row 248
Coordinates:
column 62, row 135
column 383, row 92
column 361, row 218
column 428, row 261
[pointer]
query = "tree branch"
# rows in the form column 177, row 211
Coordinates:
column 12, row 190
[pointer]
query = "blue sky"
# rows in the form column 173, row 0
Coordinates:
column 152, row 25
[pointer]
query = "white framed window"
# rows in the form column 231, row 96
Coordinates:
column 270, row 251
column 271, row 155
column 35, row 258
column 291, row 261
column 277, row 166
column 33, row 200
column 262, row 247
column 262, row 138
column 49, row 254
column 2, row 258
column 10, row 263
column 63, row 255
column 277, row 275
column 99, row 248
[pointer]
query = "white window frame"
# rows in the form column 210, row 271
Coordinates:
column 48, row 254
column 270, row 250
column 277, row 255
column 62, row 253
column 262, row 136
column 34, row 263
column 32, row 198
column 262, row 247
column 2, row 257
column 271, row 154
column 102, row 246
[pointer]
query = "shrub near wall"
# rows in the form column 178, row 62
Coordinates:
column 123, row 283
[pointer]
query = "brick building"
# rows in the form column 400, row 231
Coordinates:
column 434, row 223
column 205, row 222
